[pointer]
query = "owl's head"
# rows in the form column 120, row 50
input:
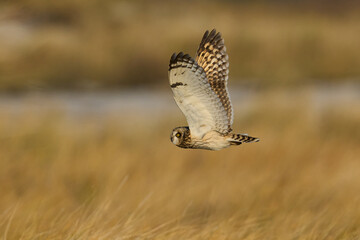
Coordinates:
column 180, row 136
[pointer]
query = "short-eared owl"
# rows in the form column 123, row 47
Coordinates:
column 200, row 91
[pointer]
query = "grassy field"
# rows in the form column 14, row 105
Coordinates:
column 116, row 175
column 106, row 44
column 123, row 179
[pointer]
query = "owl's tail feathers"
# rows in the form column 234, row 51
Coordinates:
column 237, row 139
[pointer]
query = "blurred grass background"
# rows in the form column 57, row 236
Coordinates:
column 106, row 44
column 121, row 177
column 86, row 113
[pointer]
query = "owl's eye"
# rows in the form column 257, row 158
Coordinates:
column 178, row 135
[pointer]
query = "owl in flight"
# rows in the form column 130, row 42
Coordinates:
column 200, row 91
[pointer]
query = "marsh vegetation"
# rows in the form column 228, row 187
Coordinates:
column 86, row 113
column 74, row 175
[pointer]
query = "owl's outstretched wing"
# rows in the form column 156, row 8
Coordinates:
column 212, row 57
column 201, row 106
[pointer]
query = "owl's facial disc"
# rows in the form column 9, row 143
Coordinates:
column 176, row 137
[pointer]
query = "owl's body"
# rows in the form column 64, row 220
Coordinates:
column 212, row 140
column 200, row 91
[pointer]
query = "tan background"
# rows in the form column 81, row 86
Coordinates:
column 86, row 113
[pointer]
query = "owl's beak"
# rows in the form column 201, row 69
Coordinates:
column 171, row 138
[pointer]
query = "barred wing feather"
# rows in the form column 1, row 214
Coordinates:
column 212, row 57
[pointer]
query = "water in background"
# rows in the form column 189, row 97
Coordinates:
column 154, row 105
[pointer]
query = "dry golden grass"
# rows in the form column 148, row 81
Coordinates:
column 62, row 179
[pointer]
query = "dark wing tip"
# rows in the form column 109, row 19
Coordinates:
column 212, row 33
column 180, row 57
column 214, row 38
column 186, row 56
column 206, row 34
column 173, row 57
column 217, row 37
